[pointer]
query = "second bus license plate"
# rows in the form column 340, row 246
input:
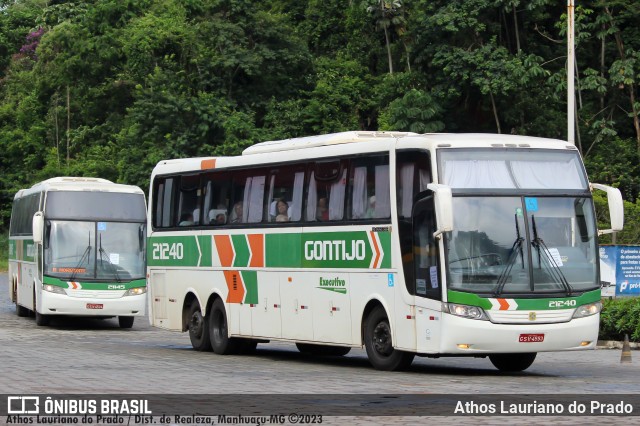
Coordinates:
column 531, row 338
column 94, row 306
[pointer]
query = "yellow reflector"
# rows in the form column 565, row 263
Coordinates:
column 463, row 346
column 585, row 343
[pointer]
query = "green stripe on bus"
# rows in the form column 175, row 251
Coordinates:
column 538, row 304
column 241, row 248
column 283, row 250
column 250, row 279
column 110, row 285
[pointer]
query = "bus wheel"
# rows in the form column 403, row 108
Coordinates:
column 322, row 350
column 511, row 363
column 21, row 311
column 198, row 328
column 221, row 343
column 377, row 341
column 126, row 322
column 41, row 319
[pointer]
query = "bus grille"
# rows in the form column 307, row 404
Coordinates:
column 530, row 317
column 96, row 294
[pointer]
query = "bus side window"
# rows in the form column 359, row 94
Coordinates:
column 286, row 186
column 248, row 196
column 189, row 201
column 217, row 191
column 164, row 208
column 369, row 189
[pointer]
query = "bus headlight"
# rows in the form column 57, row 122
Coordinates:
column 53, row 289
column 465, row 311
column 587, row 310
column 136, row 291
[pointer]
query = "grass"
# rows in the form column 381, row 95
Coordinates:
column 4, row 251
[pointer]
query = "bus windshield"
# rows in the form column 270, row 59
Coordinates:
column 521, row 245
column 90, row 250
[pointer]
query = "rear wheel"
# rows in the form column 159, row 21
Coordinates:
column 126, row 322
column 322, row 350
column 221, row 343
column 198, row 328
column 511, row 363
column 379, row 345
column 21, row 311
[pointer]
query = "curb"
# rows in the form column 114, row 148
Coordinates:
column 614, row 344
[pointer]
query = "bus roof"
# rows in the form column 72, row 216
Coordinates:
column 69, row 183
column 355, row 142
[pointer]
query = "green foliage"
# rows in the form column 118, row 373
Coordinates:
column 4, row 251
column 110, row 88
column 620, row 317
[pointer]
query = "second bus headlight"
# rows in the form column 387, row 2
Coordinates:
column 53, row 289
column 587, row 310
column 136, row 291
column 465, row 311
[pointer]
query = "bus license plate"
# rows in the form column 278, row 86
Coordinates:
column 531, row 338
column 94, row 306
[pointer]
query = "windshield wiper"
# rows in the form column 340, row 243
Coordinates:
column 84, row 255
column 506, row 272
column 554, row 268
column 103, row 253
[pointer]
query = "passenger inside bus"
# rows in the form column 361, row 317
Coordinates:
column 236, row 213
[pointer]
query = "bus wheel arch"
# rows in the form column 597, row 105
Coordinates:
column 195, row 322
column 378, row 340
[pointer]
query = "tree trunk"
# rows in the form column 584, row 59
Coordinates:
column 495, row 112
column 68, row 122
column 386, row 38
column 515, row 25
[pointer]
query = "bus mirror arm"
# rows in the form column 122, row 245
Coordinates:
column 443, row 207
column 616, row 207
column 38, row 227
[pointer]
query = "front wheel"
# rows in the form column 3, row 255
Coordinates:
column 198, row 328
column 125, row 322
column 41, row 319
column 379, row 345
column 221, row 343
column 512, row 363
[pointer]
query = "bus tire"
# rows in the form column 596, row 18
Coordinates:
column 221, row 343
column 125, row 322
column 379, row 345
column 198, row 328
column 41, row 319
column 512, row 363
column 322, row 350
column 21, row 311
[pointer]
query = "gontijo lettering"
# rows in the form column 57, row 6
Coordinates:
column 334, row 250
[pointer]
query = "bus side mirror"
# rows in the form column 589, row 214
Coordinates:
column 443, row 205
column 38, row 227
column 616, row 207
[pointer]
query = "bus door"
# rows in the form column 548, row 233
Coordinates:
column 427, row 275
column 158, row 299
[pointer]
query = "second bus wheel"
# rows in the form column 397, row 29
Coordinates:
column 221, row 343
column 125, row 322
column 198, row 328
column 379, row 345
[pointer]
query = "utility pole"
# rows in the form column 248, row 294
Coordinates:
column 570, row 74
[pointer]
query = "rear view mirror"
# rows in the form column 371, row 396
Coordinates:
column 616, row 207
column 443, row 205
column 38, row 227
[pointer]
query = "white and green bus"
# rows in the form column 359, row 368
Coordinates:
column 430, row 245
column 77, row 247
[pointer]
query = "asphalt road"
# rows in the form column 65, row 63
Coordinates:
column 88, row 356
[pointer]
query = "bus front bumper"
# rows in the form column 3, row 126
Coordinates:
column 473, row 337
column 58, row 304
